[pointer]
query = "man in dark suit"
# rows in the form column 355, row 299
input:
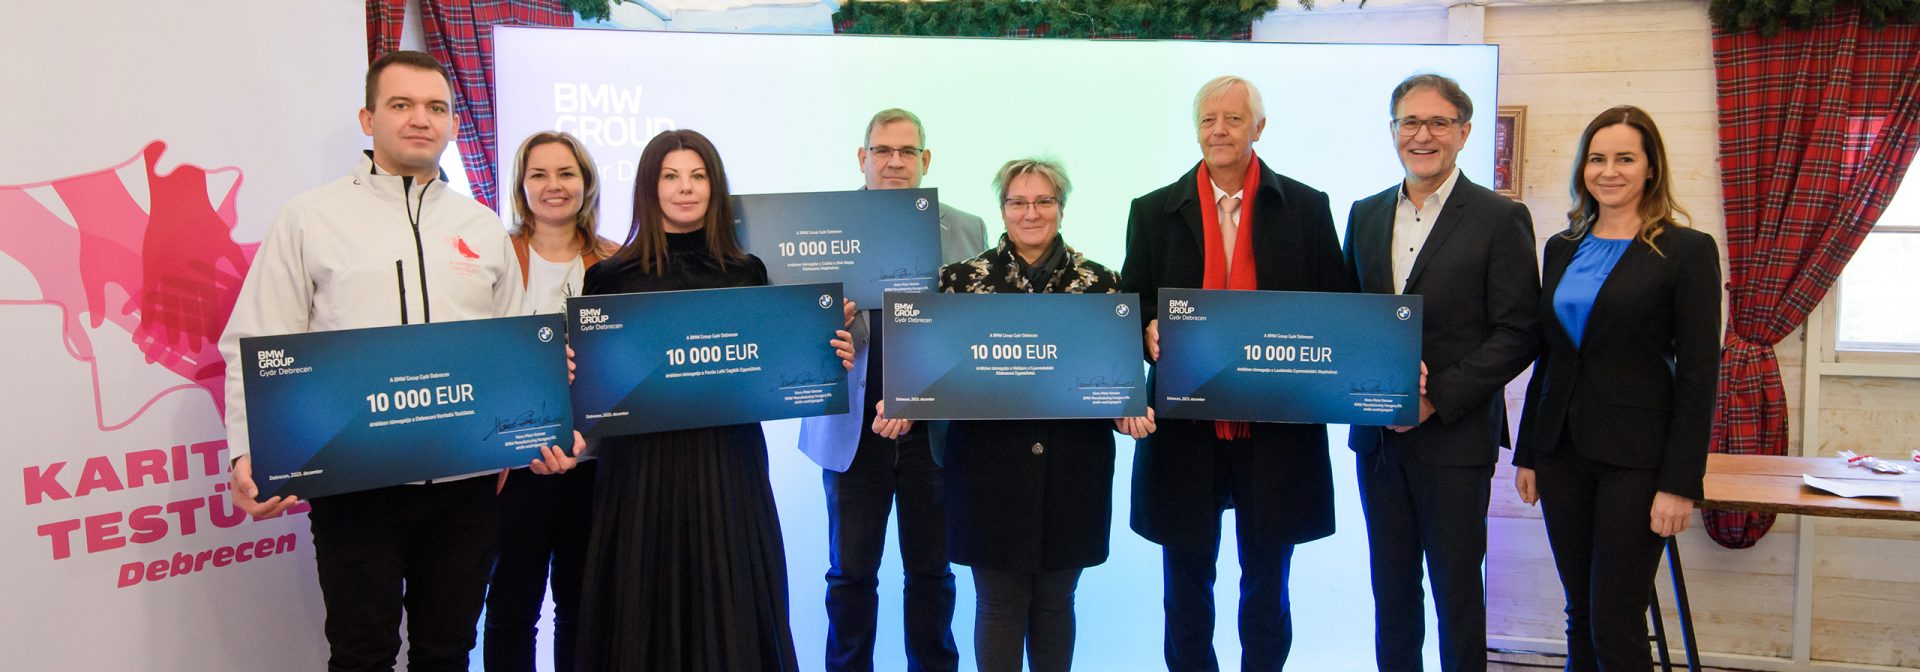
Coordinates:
column 1230, row 223
column 1468, row 253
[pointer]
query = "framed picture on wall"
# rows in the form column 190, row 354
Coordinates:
column 1509, row 135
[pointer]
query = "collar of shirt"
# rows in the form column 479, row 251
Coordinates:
column 1219, row 193
column 1439, row 196
column 1411, row 224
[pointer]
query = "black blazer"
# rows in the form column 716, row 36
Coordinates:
column 1281, row 483
column 1639, row 391
column 1480, row 285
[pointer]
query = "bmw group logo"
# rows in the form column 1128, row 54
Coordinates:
column 826, row 300
column 920, row 204
column 1403, row 313
column 545, row 334
column 1122, row 310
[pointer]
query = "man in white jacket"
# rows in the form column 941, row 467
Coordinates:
column 388, row 244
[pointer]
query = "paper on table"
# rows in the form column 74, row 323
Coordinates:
column 1852, row 488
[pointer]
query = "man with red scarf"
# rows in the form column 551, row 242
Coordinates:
column 1230, row 223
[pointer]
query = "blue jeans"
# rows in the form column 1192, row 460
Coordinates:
column 858, row 503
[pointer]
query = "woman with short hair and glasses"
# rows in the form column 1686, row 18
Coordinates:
column 1029, row 503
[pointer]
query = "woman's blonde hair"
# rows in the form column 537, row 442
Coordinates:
column 586, row 223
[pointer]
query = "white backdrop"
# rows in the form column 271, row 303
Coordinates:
column 787, row 113
column 147, row 144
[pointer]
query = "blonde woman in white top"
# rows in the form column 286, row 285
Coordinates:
column 544, row 521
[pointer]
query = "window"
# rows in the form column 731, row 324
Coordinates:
column 1878, row 308
column 457, row 174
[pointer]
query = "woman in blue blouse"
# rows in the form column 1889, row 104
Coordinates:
column 1613, row 441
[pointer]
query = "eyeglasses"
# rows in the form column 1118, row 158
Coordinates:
column 1438, row 127
column 1043, row 203
column 885, row 153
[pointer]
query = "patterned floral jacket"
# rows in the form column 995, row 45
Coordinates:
column 997, row 271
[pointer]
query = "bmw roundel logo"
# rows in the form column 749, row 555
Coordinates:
column 1122, row 310
column 920, row 204
column 826, row 300
column 1403, row 313
column 545, row 334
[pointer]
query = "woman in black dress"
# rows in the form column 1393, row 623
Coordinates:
column 1029, row 503
column 685, row 567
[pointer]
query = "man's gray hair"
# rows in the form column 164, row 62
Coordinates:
column 1441, row 84
column 890, row 115
column 1046, row 167
column 1219, row 85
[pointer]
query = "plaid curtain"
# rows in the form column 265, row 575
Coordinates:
column 1817, row 127
column 459, row 33
column 384, row 21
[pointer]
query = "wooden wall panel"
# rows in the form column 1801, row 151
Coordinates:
column 1869, row 619
column 1742, row 600
column 1568, row 63
column 1874, row 416
column 1524, row 598
column 1866, row 598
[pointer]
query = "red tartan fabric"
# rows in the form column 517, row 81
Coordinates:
column 384, row 21
column 459, row 33
column 1817, row 127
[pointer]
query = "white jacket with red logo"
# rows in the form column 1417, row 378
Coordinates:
column 349, row 255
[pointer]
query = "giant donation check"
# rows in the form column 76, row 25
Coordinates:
column 330, row 412
column 1305, row 357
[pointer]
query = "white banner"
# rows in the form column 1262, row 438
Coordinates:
column 147, row 146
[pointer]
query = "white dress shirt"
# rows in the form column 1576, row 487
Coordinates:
column 1411, row 224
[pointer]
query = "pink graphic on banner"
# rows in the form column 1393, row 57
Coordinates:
column 167, row 273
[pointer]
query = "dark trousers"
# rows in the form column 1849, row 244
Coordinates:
column 544, row 523
column 1417, row 512
column 1266, row 619
column 424, row 549
column 1607, row 555
column 859, row 501
column 1016, row 611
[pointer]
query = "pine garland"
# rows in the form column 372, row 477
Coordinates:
column 592, row 10
column 1770, row 16
column 1143, row 19
column 1219, row 19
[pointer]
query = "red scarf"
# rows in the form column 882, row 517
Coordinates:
column 1242, row 276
